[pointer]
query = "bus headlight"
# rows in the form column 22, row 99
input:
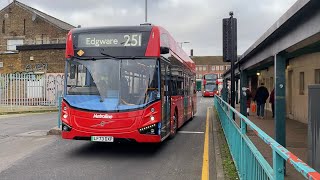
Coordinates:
column 151, row 129
column 152, row 118
column 65, row 111
column 65, row 116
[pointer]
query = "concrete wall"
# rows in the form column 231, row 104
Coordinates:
column 307, row 64
column 297, row 104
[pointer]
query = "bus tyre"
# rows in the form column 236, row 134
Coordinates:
column 174, row 125
column 192, row 113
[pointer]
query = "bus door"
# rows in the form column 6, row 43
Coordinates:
column 186, row 95
column 166, row 98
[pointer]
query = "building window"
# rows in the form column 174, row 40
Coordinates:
column 24, row 27
column 317, row 76
column 204, row 68
column 200, row 76
column 197, row 68
column 4, row 26
column 221, row 68
column 213, row 68
column 301, row 88
column 200, row 68
column 13, row 43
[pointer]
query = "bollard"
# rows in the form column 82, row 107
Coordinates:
column 59, row 111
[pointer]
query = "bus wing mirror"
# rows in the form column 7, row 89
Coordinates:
column 164, row 50
column 72, row 71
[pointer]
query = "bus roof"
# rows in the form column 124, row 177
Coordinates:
column 112, row 28
column 158, row 36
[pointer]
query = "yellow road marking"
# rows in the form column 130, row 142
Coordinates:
column 205, row 163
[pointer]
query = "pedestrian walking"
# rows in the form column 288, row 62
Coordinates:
column 249, row 97
column 271, row 100
column 261, row 97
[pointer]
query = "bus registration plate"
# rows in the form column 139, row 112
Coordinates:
column 102, row 138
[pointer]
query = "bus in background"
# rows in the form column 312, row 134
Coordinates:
column 126, row 83
column 199, row 81
column 210, row 86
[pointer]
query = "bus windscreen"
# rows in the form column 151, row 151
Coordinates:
column 119, row 84
column 210, row 87
column 210, row 76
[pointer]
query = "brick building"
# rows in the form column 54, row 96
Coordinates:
column 210, row 64
column 31, row 41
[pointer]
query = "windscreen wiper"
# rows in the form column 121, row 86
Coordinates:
column 93, row 58
column 108, row 55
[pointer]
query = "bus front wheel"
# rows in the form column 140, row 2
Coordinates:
column 192, row 113
column 174, row 125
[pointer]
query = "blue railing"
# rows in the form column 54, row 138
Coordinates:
column 248, row 160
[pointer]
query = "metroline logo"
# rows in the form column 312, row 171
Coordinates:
column 102, row 116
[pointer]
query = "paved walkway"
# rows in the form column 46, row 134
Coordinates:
column 25, row 109
column 296, row 139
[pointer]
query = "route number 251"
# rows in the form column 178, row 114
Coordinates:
column 132, row 40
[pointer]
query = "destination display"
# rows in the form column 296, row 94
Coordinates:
column 109, row 40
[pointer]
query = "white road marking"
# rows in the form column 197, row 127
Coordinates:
column 190, row 132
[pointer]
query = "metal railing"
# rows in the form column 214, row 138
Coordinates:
column 29, row 89
column 248, row 160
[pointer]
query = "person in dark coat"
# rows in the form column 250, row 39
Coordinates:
column 248, row 96
column 271, row 100
column 261, row 97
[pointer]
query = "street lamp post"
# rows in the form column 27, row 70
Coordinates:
column 146, row 11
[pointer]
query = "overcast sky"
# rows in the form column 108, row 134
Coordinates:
column 196, row 21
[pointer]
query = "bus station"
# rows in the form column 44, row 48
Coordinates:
column 144, row 90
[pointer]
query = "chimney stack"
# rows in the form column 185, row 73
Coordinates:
column 191, row 52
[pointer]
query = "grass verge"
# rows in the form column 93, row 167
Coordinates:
column 27, row 112
column 229, row 168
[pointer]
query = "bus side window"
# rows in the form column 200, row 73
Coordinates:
column 174, row 86
column 179, row 87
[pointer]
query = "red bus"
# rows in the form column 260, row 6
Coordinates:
column 210, row 85
column 126, row 83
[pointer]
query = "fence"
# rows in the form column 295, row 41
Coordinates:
column 24, row 89
column 248, row 160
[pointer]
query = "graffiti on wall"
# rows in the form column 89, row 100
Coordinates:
column 54, row 85
column 37, row 67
